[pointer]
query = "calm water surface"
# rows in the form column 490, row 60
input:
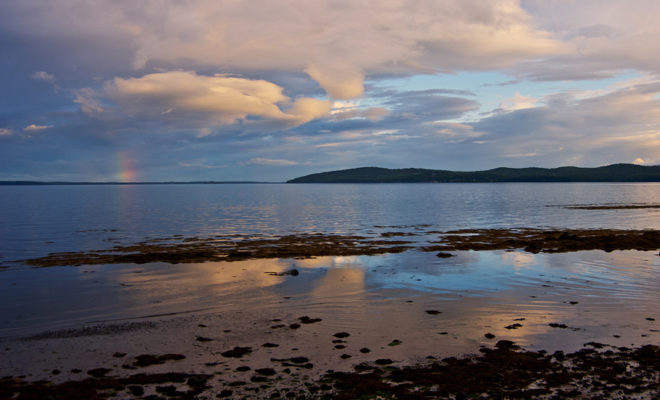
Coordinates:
column 488, row 287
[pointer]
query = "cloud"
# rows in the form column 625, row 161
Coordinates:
column 337, row 45
column 518, row 102
column 346, row 110
column 270, row 161
column 429, row 105
column 620, row 124
column 327, row 82
column 456, row 131
column 218, row 99
column 341, row 81
column 600, row 39
column 87, row 98
column 36, row 128
column 44, row 76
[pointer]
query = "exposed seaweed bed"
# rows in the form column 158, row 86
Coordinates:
column 503, row 370
column 196, row 250
column 613, row 207
column 548, row 241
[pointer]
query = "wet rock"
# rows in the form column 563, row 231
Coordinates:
column 265, row 371
column 513, row 326
column 136, row 390
column 145, row 360
column 98, row 372
column 307, row 320
column 444, row 255
column 506, row 345
column 292, row 272
column 237, row 352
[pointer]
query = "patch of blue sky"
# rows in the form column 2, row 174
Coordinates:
column 491, row 88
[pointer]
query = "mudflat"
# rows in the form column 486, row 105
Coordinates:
column 326, row 334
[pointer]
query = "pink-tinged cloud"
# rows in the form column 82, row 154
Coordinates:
column 44, row 76
column 217, row 99
column 337, row 44
column 270, row 161
column 36, row 128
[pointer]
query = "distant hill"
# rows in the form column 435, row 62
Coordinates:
column 610, row 173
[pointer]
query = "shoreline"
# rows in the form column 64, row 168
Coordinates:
column 146, row 362
column 401, row 345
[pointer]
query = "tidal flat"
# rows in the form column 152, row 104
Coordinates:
column 405, row 312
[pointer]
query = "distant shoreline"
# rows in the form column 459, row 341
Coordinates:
column 609, row 173
column 615, row 173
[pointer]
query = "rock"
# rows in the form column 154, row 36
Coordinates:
column 237, row 352
column 444, row 255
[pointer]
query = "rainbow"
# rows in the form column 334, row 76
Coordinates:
column 127, row 168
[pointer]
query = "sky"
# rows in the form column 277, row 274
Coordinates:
column 158, row 90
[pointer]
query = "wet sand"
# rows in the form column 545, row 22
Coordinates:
column 242, row 355
column 366, row 326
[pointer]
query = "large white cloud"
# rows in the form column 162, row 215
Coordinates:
column 336, row 43
column 217, row 99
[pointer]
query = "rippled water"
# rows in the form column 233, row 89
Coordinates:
column 35, row 220
column 596, row 294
